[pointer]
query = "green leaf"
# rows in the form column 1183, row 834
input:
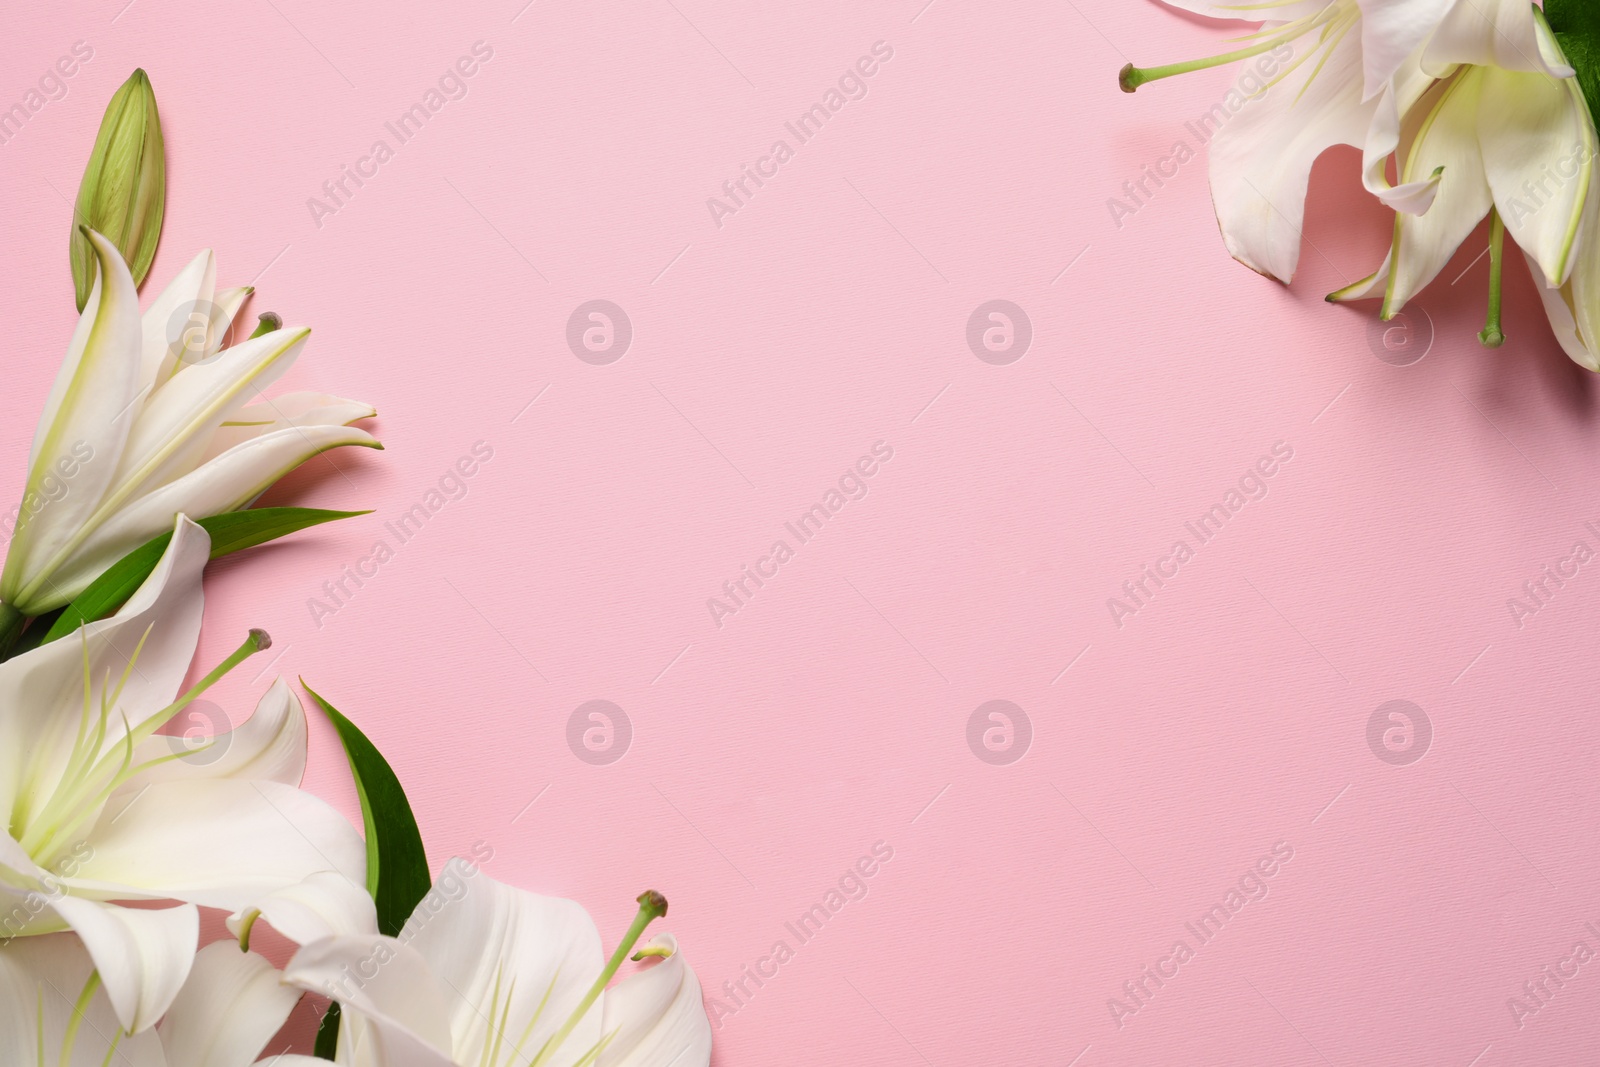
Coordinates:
column 229, row 533
column 397, row 867
column 1577, row 28
column 327, row 1046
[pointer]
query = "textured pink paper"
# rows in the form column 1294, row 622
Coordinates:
column 1166, row 758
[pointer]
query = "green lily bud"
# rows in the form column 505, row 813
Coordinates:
column 124, row 190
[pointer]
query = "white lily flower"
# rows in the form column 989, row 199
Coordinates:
column 1356, row 67
column 486, row 975
column 151, row 417
column 54, row 1012
column 1518, row 147
column 98, row 807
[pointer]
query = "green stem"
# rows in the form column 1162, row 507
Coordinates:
column 1492, row 336
column 11, row 623
column 652, row 906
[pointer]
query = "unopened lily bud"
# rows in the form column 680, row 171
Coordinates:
column 124, row 189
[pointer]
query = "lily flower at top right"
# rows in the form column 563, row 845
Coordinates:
column 1519, row 147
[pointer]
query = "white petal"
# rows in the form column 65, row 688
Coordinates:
column 1493, row 33
column 1447, row 144
column 1391, row 30
column 1397, row 104
column 1538, row 149
column 221, row 843
column 1574, row 309
column 177, row 422
column 269, row 746
column 1261, row 160
column 657, row 1017
column 504, row 950
column 227, row 1011
column 1283, row 11
column 87, row 420
column 392, row 1005
column 323, row 905
column 228, row 302
column 42, row 691
column 282, row 412
column 226, row 483
column 143, row 956
column 48, row 973
column 183, row 306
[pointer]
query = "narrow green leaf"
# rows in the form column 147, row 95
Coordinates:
column 231, row 532
column 327, row 1046
column 1576, row 24
column 397, row 867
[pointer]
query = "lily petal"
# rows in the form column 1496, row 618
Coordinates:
column 395, row 1017
column 88, row 418
column 42, row 690
column 43, row 976
column 1538, row 149
column 143, row 956
column 178, row 420
column 227, row 1011
column 1493, row 33
column 1261, row 161
column 282, row 412
column 183, row 306
column 220, row 843
column 1283, row 11
column 657, row 1017
column 520, row 963
column 324, row 905
column 1447, row 145
column 227, row 483
column 1391, row 30
column 270, row 746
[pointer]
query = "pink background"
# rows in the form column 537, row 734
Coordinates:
column 1168, row 755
